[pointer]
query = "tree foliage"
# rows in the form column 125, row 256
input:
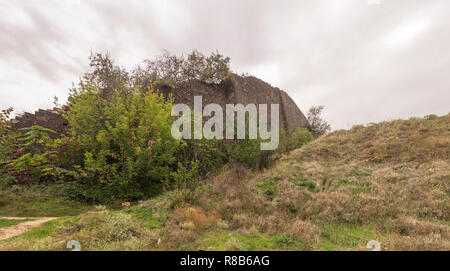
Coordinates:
column 171, row 69
column 7, row 136
column 120, row 145
column 165, row 69
column 126, row 141
column 317, row 125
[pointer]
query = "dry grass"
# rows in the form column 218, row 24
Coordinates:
column 388, row 181
column 104, row 230
column 391, row 177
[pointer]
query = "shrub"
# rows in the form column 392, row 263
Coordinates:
column 209, row 154
column 120, row 145
column 169, row 69
column 248, row 151
column 30, row 155
column 165, row 69
column 211, row 69
column 106, row 75
column 186, row 180
column 294, row 139
column 127, row 142
column 7, row 138
column 317, row 125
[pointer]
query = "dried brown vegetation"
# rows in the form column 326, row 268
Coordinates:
column 388, row 182
column 392, row 178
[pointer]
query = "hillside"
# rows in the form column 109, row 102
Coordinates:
column 388, row 182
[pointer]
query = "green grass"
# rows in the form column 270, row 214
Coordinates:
column 334, row 237
column 346, row 237
column 108, row 230
column 38, row 201
column 222, row 241
column 8, row 223
column 343, row 182
column 147, row 215
column 152, row 213
column 268, row 188
column 40, row 232
column 37, row 238
column 34, row 236
column 308, row 184
column 233, row 241
column 361, row 173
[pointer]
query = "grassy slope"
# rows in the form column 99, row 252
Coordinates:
column 38, row 201
column 388, row 181
column 8, row 223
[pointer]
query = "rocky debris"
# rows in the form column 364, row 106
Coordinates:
column 126, row 204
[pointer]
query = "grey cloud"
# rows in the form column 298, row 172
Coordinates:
column 327, row 52
column 34, row 44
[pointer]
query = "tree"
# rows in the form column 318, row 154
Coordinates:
column 7, row 136
column 213, row 69
column 126, row 142
column 317, row 125
column 106, row 75
column 166, row 69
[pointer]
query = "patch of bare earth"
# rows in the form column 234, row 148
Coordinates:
column 12, row 231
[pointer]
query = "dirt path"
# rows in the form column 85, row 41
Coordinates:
column 9, row 232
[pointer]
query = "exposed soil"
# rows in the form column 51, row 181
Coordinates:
column 9, row 232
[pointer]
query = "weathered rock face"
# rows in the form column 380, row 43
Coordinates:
column 240, row 90
column 50, row 119
column 235, row 90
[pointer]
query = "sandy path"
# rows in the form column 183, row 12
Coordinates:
column 22, row 218
column 9, row 232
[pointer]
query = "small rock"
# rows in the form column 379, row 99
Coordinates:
column 126, row 204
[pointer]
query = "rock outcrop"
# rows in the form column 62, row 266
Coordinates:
column 235, row 90
column 50, row 119
column 239, row 90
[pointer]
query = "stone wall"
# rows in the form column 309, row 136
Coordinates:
column 235, row 90
column 240, row 90
column 50, row 119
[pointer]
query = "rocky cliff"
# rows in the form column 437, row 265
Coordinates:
column 50, row 119
column 239, row 90
column 235, row 90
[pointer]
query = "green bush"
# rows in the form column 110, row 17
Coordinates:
column 28, row 154
column 210, row 154
column 169, row 69
column 7, row 138
column 34, row 153
column 126, row 141
column 119, row 146
column 186, row 182
column 165, row 69
column 294, row 139
column 248, row 151
column 317, row 125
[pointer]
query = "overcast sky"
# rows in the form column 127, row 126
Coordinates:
column 365, row 60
